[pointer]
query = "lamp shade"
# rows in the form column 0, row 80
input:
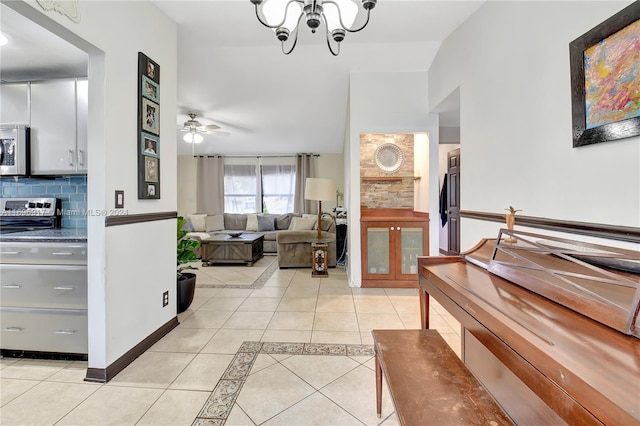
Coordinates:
column 319, row 189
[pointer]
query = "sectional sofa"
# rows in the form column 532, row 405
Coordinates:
column 288, row 235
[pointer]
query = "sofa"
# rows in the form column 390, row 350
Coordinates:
column 287, row 235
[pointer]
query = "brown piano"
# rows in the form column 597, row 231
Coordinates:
column 550, row 325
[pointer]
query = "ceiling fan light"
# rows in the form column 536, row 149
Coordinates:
column 348, row 11
column 192, row 137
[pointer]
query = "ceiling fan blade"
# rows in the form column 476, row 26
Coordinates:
column 212, row 127
column 219, row 133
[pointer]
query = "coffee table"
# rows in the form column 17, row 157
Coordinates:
column 222, row 248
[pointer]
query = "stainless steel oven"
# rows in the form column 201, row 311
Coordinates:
column 15, row 156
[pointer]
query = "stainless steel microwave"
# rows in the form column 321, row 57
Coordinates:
column 15, row 156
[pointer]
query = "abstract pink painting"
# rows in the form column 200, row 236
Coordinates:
column 612, row 77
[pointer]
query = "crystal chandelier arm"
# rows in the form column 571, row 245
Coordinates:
column 284, row 19
column 342, row 23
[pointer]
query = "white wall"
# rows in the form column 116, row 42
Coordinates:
column 392, row 102
column 511, row 63
column 129, row 266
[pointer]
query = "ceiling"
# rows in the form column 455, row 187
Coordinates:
column 232, row 72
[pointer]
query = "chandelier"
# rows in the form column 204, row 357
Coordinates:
column 338, row 16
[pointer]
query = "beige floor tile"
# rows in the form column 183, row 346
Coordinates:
column 45, row 403
column 113, row 405
column 269, row 292
column 5, row 362
column 235, row 292
column 370, row 322
column 223, row 303
column 298, row 304
column 32, row 369
column 197, row 302
column 292, row 336
column 345, row 337
column 202, row 373
column 301, row 291
column 175, row 407
column 206, row 319
column 12, row 388
column 269, row 391
column 392, row 420
column 402, row 292
column 262, row 361
column 152, row 370
column 334, row 290
column 373, row 304
column 366, row 337
column 260, row 304
column 72, row 373
column 359, row 291
column 206, row 291
column 335, row 321
column 403, row 306
column 237, row 417
column 228, row 341
column 438, row 322
column 248, row 320
column 316, row 409
column 319, row 370
column 411, row 321
column 291, row 321
column 338, row 303
column 189, row 340
column 454, row 341
column 361, row 404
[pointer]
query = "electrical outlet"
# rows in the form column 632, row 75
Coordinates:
column 165, row 298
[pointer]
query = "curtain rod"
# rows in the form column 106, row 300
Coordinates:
column 253, row 156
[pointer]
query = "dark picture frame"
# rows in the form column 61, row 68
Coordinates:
column 150, row 145
column 148, row 139
column 612, row 129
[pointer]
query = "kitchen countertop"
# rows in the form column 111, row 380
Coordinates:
column 64, row 235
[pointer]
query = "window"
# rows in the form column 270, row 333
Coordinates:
column 259, row 184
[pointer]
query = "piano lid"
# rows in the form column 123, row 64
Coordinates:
column 600, row 282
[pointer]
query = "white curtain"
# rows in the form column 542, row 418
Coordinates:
column 241, row 186
column 210, row 189
column 278, row 185
column 305, row 167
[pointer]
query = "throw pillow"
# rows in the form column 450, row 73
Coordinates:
column 252, row 222
column 302, row 224
column 188, row 226
column 314, row 217
column 214, row 223
column 198, row 222
column 266, row 223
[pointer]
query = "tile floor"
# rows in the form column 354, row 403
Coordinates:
column 311, row 362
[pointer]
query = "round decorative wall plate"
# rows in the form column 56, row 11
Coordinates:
column 388, row 157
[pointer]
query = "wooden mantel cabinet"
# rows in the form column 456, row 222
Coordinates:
column 392, row 240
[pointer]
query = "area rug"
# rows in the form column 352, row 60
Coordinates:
column 237, row 276
column 219, row 404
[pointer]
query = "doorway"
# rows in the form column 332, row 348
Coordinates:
column 453, row 201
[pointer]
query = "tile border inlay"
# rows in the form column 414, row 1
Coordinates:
column 257, row 284
column 219, row 404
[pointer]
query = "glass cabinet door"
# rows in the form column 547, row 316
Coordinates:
column 411, row 244
column 378, row 258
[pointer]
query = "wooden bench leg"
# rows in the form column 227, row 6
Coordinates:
column 378, row 386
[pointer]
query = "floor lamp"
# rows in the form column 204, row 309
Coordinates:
column 318, row 189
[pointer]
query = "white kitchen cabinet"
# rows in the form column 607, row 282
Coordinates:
column 58, row 127
column 14, row 103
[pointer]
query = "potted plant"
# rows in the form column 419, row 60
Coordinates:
column 186, row 254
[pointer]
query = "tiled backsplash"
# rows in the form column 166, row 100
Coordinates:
column 71, row 190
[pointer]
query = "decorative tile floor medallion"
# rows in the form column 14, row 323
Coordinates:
column 220, row 402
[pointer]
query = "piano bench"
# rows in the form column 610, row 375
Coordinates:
column 428, row 383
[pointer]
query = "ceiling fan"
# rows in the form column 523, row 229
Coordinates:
column 194, row 129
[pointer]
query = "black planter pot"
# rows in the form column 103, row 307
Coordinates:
column 186, row 289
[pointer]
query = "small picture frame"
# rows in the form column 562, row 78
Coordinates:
column 151, row 190
column 150, row 169
column 150, row 116
column 150, row 89
column 149, row 145
column 152, row 70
